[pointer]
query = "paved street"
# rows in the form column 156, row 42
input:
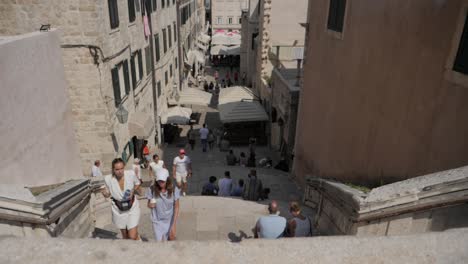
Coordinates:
column 215, row 217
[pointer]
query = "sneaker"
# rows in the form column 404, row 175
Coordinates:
column 183, row 194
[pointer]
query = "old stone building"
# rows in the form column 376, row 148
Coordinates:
column 385, row 90
column 112, row 62
column 227, row 14
column 272, row 38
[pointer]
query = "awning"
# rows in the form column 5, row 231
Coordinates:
column 246, row 111
column 235, row 94
column 140, row 125
column 191, row 96
column 236, row 104
column 176, row 115
column 226, row 39
column 225, row 50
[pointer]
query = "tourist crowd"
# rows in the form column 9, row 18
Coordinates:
column 163, row 195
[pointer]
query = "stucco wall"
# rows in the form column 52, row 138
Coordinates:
column 226, row 9
column 377, row 105
column 38, row 143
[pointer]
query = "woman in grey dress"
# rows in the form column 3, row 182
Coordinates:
column 163, row 200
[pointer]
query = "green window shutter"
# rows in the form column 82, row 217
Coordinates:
column 132, row 68
column 116, row 86
column 126, row 77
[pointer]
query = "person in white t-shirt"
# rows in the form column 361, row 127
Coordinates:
column 181, row 170
column 204, row 136
column 121, row 186
column 156, row 164
column 95, row 170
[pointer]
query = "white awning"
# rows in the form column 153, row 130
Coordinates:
column 236, row 104
column 191, row 96
column 246, row 111
column 225, row 50
column 140, row 125
column 176, row 115
column 226, row 39
column 235, row 94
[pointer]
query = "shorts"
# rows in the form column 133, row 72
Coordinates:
column 181, row 177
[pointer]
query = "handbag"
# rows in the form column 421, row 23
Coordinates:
column 124, row 205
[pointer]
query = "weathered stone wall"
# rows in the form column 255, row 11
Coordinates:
column 90, row 85
column 435, row 202
column 38, row 143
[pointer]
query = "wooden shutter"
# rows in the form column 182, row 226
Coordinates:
column 140, row 64
column 175, row 32
column 131, row 10
column 113, row 13
column 461, row 61
column 164, row 40
column 126, row 77
column 169, row 37
column 148, row 61
column 155, row 5
column 132, row 68
column 116, row 86
column 163, row 3
column 156, row 43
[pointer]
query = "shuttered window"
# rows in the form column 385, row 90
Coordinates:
column 156, row 45
column 154, row 5
column 116, row 86
column 140, row 65
column 132, row 68
column 166, row 79
column 126, row 77
column 336, row 15
column 163, row 2
column 169, row 37
column 461, row 61
column 175, row 32
column 131, row 10
column 164, row 40
column 148, row 61
column 176, row 62
column 159, row 88
column 170, row 70
column 113, row 13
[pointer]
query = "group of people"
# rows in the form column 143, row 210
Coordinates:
column 274, row 226
column 162, row 196
column 207, row 138
column 251, row 189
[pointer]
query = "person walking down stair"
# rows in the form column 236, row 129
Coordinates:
column 181, row 170
column 204, row 137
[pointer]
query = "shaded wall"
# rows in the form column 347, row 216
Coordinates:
column 379, row 102
column 38, row 143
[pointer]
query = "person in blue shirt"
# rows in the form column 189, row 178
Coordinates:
column 271, row 226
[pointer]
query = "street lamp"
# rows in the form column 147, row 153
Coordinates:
column 122, row 114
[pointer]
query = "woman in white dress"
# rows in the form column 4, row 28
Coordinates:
column 163, row 200
column 121, row 186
